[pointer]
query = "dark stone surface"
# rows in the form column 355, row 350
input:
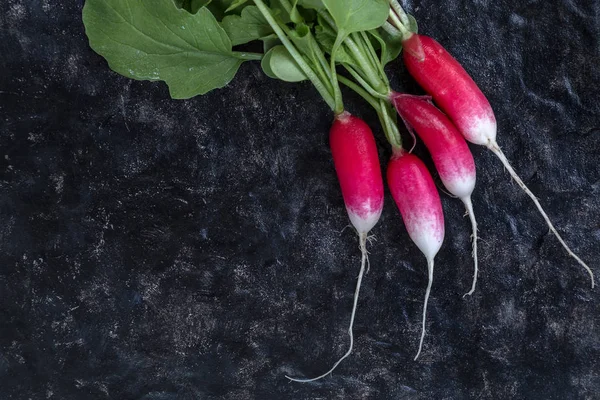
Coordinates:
column 158, row 249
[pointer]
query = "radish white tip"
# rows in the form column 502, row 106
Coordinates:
column 493, row 146
column 469, row 207
column 427, row 292
column 442, row 189
column 364, row 218
column 363, row 263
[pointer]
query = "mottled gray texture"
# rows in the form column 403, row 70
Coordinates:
column 157, row 249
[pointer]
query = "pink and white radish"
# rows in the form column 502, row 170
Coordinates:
column 419, row 203
column 461, row 99
column 357, row 166
column 356, row 161
column 449, row 151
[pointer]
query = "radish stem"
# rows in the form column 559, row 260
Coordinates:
column 363, row 263
column 400, row 12
column 493, row 146
column 364, row 84
column 242, row 55
column 337, row 94
column 389, row 28
column 375, row 59
column 371, row 73
column 392, row 133
column 361, row 92
column 310, row 74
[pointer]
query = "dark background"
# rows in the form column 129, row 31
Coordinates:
column 158, row 249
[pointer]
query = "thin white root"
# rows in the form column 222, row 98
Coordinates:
column 364, row 261
column 469, row 206
column 496, row 149
column 427, row 292
column 363, row 249
column 371, row 239
column 346, row 227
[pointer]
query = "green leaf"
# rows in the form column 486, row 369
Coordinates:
column 301, row 37
column 235, row 4
column 279, row 11
column 306, row 12
column 279, row 64
column 358, row 15
column 312, row 4
column 412, row 24
column 248, row 26
column 265, row 64
column 326, row 38
column 389, row 45
column 191, row 6
column 154, row 40
column 295, row 15
column 269, row 42
column 218, row 7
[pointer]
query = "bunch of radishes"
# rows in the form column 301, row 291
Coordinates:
column 316, row 40
column 466, row 114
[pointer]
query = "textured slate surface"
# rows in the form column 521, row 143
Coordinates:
column 158, row 249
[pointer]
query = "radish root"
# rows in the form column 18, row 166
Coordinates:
column 427, row 292
column 469, row 206
column 496, row 149
column 363, row 263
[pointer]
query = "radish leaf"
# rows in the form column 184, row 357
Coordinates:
column 191, row 6
column 279, row 64
column 312, row 4
column 358, row 15
column 248, row 26
column 155, row 40
column 235, row 4
column 389, row 45
column 269, row 42
column 326, row 38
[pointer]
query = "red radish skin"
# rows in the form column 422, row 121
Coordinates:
column 452, row 89
column 419, row 203
column 449, row 151
column 357, row 166
column 461, row 99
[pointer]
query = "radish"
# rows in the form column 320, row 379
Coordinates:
column 419, row 203
column 449, row 151
column 356, row 162
column 461, row 99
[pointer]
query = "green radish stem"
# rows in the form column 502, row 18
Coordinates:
column 390, row 29
column 400, row 12
column 382, row 108
column 394, row 138
column 364, row 84
column 308, row 71
column 242, row 55
column 368, row 69
column 375, row 59
column 361, row 92
column 337, row 94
